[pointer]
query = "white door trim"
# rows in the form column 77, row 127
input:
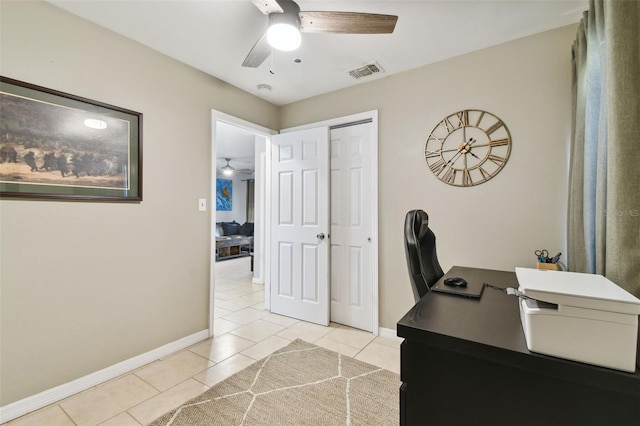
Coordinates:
column 218, row 116
column 373, row 116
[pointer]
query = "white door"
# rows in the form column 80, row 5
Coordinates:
column 300, row 225
column 352, row 263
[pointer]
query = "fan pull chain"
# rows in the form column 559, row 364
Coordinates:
column 271, row 59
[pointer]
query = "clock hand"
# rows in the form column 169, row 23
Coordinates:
column 440, row 151
column 483, row 144
column 466, row 147
column 455, row 157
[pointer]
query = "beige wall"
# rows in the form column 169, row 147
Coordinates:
column 87, row 285
column 500, row 223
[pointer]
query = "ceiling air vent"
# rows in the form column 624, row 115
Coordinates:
column 366, row 70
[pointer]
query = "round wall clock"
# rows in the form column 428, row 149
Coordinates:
column 468, row 147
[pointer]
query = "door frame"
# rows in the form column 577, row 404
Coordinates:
column 218, row 116
column 341, row 121
column 267, row 133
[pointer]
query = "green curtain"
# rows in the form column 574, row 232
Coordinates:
column 251, row 197
column 604, row 187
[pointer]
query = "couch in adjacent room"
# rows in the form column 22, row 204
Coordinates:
column 233, row 240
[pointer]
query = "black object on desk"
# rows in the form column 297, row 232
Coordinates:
column 472, row 288
column 465, row 362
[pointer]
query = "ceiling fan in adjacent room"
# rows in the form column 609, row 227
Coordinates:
column 286, row 22
column 228, row 169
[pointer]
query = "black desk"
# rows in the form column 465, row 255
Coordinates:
column 465, row 362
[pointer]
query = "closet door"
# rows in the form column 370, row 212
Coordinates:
column 352, row 254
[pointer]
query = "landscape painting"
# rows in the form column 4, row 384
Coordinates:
column 56, row 145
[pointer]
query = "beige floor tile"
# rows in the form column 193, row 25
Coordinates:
column 257, row 330
column 226, row 286
column 382, row 355
column 101, row 403
column 225, row 369
column 172, row 370
column 266, row 347
column 246, row 315
column 280, row 319
column 305, row 331
column 350, row 336
column 222, row 326
column 220, row 312
column 257, row 296
column 50, row 416
column 247, row 289
column 393, row 342
column 335, row 346
column 260, row 306
column 256, row 287
column 236, row 304
column 153, row 408
column 236, row 289
column 234, row 274
column 123, row 419
column 229, row 294
column 220, row 348
column 251, row 299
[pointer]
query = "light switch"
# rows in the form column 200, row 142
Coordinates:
column 202, row 204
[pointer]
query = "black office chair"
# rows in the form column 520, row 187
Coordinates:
column 420, row 249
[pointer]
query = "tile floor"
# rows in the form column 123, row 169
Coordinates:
column 244, row 333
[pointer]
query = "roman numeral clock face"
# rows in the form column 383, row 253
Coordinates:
column 468, row 148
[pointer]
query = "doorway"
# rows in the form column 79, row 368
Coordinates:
column 261, row 136
column 264, row 184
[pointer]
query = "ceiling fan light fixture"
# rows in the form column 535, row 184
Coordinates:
column 284, row 36
column 227, row 169
column 284, row 28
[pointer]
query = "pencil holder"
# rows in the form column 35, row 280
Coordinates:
column 548, row 266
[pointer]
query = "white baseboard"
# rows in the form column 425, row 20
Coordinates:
column 50, row 396
column 258, row 281
column 389, row 333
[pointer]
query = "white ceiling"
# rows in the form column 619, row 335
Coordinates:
column 215, row 36
column 234, row 143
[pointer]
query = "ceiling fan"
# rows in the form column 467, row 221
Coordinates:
column 228, row 169
column 286, row 22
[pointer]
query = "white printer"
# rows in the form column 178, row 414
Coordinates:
column 581, row 317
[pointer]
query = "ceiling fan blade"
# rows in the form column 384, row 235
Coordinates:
column 267, row 6
column 347, row 23
column 259, row 52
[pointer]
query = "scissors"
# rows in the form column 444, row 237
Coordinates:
column 542, row 255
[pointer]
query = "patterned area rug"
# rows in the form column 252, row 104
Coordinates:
column 301, row 384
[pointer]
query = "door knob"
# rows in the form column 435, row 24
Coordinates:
column 320, row 236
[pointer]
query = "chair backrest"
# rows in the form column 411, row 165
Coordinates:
column 420, row 249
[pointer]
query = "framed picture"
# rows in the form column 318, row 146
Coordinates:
column 224, row 194
column 54, row 145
